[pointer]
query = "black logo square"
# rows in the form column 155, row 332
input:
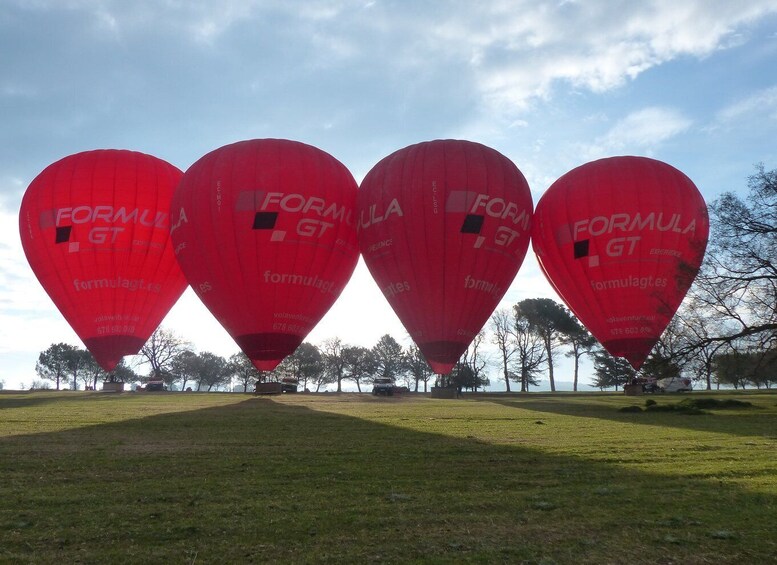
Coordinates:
column 63, row 234
column 581, row 248
column 472, row 224
column 265, row 220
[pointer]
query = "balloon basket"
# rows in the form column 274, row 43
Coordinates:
column 113, row 387
column 633, row 390
column 268, row 388
column 444, row 392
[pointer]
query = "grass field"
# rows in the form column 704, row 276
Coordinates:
column 327, row 478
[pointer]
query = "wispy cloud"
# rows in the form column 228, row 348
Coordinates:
column 512, row 52
column 593, row 45
column 22, row 298
column 640, row 132
column 760, row 104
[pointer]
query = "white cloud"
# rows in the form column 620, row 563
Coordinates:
column 639, row 132
column 760, row 104
column 510, row 52
column 518, row 54
column 29, row 321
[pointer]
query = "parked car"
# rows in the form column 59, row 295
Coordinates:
column 152, row 386
column 289, row 384
column 383, row 386
column 675, row 384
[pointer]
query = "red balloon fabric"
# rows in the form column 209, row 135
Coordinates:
column 265, row 231
column 444, row 227
column 621, row 240
column 95, row 230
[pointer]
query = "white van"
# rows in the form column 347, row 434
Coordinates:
column 675, row 384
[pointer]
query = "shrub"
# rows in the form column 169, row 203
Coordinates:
column 715, row 403
column 678, row 408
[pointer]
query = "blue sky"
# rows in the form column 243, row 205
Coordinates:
column 549, row 84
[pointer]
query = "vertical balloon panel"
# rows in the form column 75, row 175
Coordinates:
column 265, row 232
column 95, row 230
column 621, row 240
column 443, row 228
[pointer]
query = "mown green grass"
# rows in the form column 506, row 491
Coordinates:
column 228, row 478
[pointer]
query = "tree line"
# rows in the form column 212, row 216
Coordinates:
column 175, row 362
column 725, row 332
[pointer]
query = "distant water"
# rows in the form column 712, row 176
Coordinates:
column 544, row 386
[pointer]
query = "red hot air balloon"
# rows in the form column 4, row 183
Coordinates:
column 95, row 229
column 621, row 240
column 265, row 232
column 444, row 227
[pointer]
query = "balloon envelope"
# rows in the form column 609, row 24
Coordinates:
column 265, row 232
column 621, row 240
column 443, row 228
column 95, row 230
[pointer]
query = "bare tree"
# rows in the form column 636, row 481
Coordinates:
column 738, row 280
column 580, row 343
column 160, row 352
column 469, row 371
column 417, row 368
column 476, row 358
column 503, row 336
column 334, row 364
column 529, row 354
column 697, row 325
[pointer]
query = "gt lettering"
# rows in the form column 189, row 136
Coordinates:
column 505, row 236
column 100, row 235
column 619, row 246
column 313, row 228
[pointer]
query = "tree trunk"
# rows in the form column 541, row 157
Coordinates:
column 577, row 368
column 550, row 364
column 504, row 366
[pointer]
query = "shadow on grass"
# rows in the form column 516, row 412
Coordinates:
column 25, row 399
column 749, row 421
column 262, row 480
